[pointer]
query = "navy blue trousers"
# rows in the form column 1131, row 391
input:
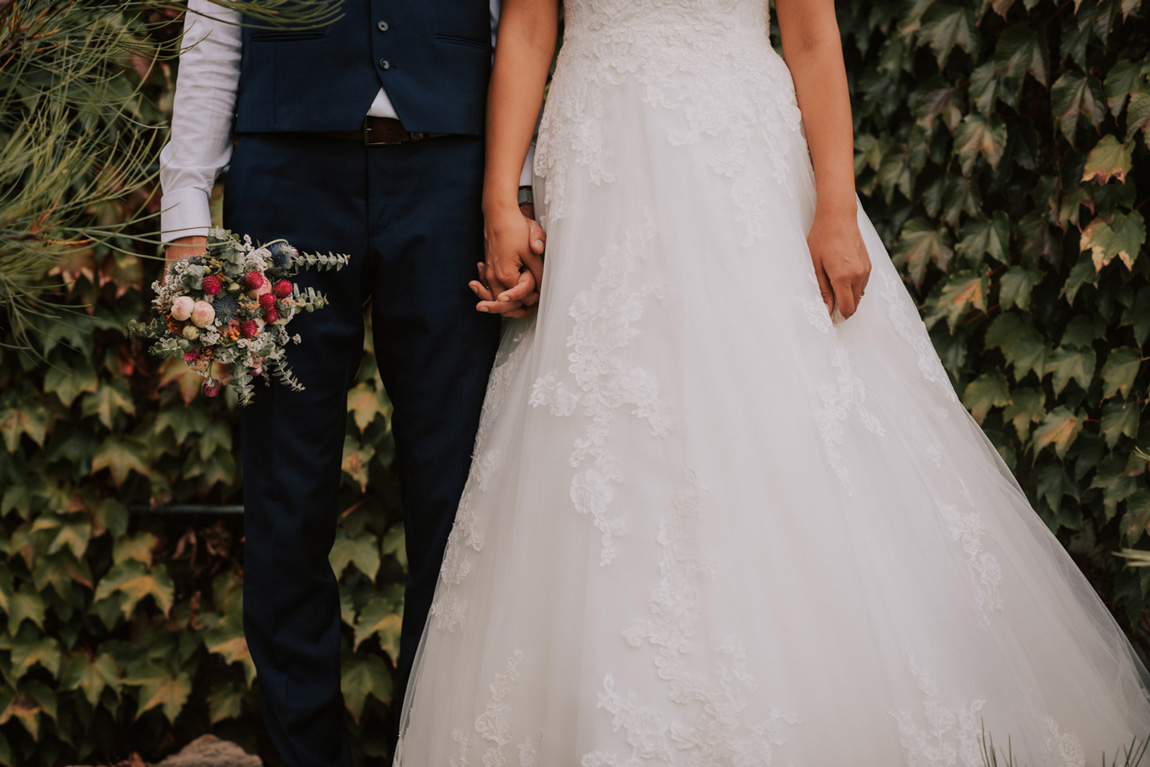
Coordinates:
column 410, row 217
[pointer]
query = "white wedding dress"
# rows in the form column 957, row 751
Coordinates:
column 707, row 526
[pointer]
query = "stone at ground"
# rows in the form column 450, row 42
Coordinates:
column 210, row 751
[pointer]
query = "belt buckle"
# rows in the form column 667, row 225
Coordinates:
column 367, row 138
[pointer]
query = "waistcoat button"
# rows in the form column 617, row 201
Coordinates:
column 384, row 64
column 382, row 26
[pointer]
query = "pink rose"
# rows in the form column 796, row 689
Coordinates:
column 203, row 313
column 182, row 308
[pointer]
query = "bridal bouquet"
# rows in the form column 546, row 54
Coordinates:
column 231, row 307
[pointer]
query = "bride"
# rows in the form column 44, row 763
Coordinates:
column 724, row 510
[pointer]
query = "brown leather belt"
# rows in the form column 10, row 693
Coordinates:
column 379, row 131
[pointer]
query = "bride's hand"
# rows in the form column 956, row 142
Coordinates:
column 513, row 270
column 842, row 264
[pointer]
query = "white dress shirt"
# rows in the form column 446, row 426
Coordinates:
column 201, row 141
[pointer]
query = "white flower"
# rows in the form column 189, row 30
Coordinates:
column 203, row 314
column 182, row 308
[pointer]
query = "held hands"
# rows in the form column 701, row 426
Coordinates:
column 842, row 264
column 510, row 277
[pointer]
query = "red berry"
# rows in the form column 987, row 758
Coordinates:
column 211, row 387
column 253, row 280
column 267, row 301
column 249, row 329
column 282, row 289
column 212, row 284
column 271, row 315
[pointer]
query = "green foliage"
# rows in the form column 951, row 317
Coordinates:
column 122, row 632
column 1003, row 152
column 80, row 129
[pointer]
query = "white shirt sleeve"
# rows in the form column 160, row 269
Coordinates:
column 200, row 143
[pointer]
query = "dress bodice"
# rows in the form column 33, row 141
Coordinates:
column 688, row 34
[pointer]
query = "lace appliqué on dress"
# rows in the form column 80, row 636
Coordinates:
column 968, row 529
column 846, row 395
column 1062, row 748
column 494, row 725
column 714, row 732
column 605, row 317
column 938, row 736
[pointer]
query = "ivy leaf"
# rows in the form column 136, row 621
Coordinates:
column 133, row 581
column 26, row 708
column 395, row 543
column 187, row 381
column 109, row 400
column 1123, row 237
column 1136, row 521
column 356, row 460
column 1021, row 50
column 364, row 402
column 1054, row 484
column 987, row 391
column 120, row 455
column 937, row 99
column 225, row 701
column 963, row 291
column 69, row 383
column 1083, row 331
column 28, row 418
column 986, row 235
column 1119, row 371
column 1119, row 418
column 1138, row 316
column 1024, row 349
column 1116, row 486
column 181, row 421
column 1138, row 116
column 363, row 676
column 23, row 605
column 1108, row 159
column 43, row 652
column 379, row 618
column 226, row 639
column 1068, row 363
column 361, row 550
column 1060, row 428
column 1037, row 239
column 138, row 547
column 1016, row 285
column 1026, row 407
column 977, row 135
column 91, row 675
column 169, row 693
column 1122, row 80
column 1074, row 95
column 920, row 244
column 944, row 26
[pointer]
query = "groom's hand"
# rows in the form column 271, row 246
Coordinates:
column 510, row 277
column 185, row 247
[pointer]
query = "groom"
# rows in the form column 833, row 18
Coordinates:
column 363, row 137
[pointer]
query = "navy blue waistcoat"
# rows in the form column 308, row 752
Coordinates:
column 433, row 57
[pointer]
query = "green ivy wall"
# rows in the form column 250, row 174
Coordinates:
column 1002, row 151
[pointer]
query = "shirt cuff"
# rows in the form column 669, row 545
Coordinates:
column 185, row 213
column 527, row 175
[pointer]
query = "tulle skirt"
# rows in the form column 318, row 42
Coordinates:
column 709, row 525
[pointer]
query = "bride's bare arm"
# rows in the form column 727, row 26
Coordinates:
column 526, row 44
column 813, row 52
